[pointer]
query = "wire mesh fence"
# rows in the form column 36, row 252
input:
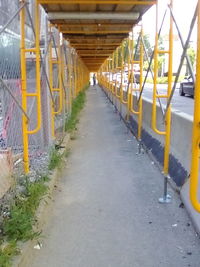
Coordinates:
column 43, row 99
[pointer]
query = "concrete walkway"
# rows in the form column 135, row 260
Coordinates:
column 106, row 211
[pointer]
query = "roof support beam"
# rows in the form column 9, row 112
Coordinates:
column 94, row 25
column 93, row 15
column 105, row 2
column 94, row 32
column 95, row 55
column 93, row 45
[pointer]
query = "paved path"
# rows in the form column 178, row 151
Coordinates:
column 106, row 211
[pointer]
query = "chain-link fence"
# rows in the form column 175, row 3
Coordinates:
column 38, row 81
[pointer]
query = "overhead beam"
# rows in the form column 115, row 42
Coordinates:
column 94, row 25
column 105, row 2
column 79, row 37
column 96, row 64
column 84, row 48
column 94, row 32
column 93, row 15
column 94, row 44
column 93, row 51
column 93, row 60
column 95, row 55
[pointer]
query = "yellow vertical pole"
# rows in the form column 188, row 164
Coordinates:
column 37, row 55
column 74, row 70
column 109, row 70
column 194, row 171
column 153, row 122
column 24, row 91
column 82, row 71
column 51, row 87
column 168, row 115
column 117, row 67
column 141, row 83
column 122, row 74
column 77, row 77
column 129, row 80
column 113, row 71
column 132, row 75
column 60, row 74
column 70, row 81
column 37, row 93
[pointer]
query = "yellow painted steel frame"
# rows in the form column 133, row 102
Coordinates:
column 59, row 89
column 25, row 94
column 131, row 108
column 141, row 83
column 117, row 68
column 194, row 172
column 69, row 66
column 122, row 76
column 129, row 79
column 113, row 72
column 137, row 112
column 109, row 76
column 167, row 130
column 51, row 87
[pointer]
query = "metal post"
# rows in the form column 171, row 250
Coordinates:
column 37, row 94
column 122, row 79
column 47, row 95
column 51, row 85
column 129, row 77
column 166, row 198
column 194, row 173
column 140, row 88
column 24, row 91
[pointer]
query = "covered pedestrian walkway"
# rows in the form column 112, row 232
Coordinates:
column 105, row 211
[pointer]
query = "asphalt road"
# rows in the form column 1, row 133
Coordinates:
column 180, row 103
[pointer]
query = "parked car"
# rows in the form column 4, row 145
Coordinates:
column 187, row 87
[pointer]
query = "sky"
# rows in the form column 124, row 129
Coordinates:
column 183, row 12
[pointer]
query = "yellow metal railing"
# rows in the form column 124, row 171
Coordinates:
column 167, row 129
column 136, row 108
column 37, row 94
column 194, row 174
column 77, row 71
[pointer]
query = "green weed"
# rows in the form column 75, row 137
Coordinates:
column 77, row 106
column 55, row 159
column 19, row 225
column 7, row 253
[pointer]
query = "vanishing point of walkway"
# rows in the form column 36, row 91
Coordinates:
column 106, row 212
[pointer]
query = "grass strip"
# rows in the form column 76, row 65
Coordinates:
column 77, row 106
column 19, row 226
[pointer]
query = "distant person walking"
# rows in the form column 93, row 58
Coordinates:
column 94, row 79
